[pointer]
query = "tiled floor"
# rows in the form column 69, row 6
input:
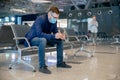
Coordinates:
column 105, row 65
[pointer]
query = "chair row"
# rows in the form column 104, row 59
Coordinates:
column 18, row 32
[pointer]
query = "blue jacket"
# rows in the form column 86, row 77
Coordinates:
column 42, row 28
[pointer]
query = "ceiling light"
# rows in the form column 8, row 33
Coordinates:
column 18, row 10
column 99, row 12
column 40, row 1
column 70, row 14
column 89, row 13
column 79, row 14
column 110, row 12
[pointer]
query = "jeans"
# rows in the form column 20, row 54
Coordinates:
column 41, row 43
column 94, row 37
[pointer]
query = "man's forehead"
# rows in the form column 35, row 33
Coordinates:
column 55, row 15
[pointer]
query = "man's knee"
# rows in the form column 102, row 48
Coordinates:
column 43, row 41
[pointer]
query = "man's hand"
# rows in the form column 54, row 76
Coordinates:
column 63, row 36
column 60, row 36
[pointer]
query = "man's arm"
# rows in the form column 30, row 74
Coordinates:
column 38, row 28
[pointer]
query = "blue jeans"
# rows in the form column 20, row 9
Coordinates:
column 41, row 43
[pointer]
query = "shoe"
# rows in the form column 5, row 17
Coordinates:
column 45, row 70
column 63, row 65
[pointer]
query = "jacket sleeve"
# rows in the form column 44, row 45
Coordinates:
column 55, row 30
column 38, row 28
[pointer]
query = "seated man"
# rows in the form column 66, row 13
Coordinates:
column 44, row 31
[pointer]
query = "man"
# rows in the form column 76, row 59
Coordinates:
column 44, row 31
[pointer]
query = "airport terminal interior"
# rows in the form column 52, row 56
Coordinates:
column 91, row 58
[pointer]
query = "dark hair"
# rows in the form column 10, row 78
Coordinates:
column 54, row 9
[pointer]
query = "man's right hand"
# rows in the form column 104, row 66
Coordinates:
column 59, row 36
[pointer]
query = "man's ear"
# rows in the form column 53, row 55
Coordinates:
column 49, row 14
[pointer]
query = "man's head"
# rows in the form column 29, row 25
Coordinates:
column 53, row 14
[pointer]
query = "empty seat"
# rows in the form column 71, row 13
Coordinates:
column 6, row 38
column 19, row 32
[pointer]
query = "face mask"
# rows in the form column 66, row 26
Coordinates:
column 52, row 20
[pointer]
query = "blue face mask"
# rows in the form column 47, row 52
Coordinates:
column 52, row 20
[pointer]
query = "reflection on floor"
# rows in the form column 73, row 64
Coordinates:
column 105, row 65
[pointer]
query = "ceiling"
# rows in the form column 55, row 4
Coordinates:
column 12, row 7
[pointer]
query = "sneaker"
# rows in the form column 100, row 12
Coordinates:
column 63, row 65
column 45, row 70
